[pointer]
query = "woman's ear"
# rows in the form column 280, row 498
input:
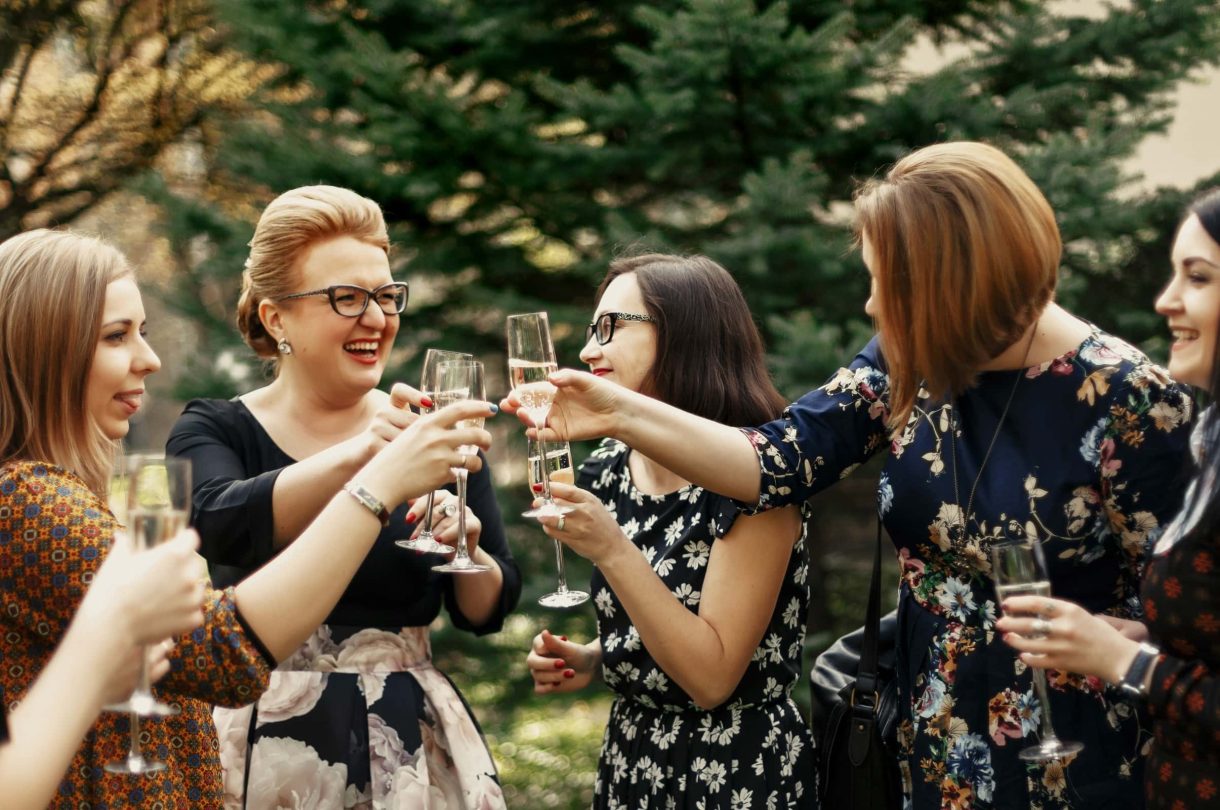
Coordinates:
column 269, row 313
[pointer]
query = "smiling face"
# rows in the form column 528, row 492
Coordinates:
column 330, row 349
column 1191, row 304
column 628, row 358
column 121, row 361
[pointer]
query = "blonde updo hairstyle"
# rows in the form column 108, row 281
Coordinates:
column 292, row 222
column 52, row 296
column 966, row 254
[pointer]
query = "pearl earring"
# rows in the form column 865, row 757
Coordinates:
column 284, row 347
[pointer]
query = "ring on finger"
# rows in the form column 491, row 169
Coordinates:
column 1041, row 626
column 1048, row 608
column 462, row 463
column 559, row 525
column 449, row 509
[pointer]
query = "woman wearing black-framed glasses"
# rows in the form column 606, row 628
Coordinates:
column 319, row 302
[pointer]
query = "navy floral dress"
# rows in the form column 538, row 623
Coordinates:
column 660, row 749
column 1088, row 460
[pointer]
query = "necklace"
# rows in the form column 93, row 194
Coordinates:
column 959, row 531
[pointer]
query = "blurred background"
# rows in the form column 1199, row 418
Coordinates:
column 516, row 145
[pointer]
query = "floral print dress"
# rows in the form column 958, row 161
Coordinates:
column 660, row 749
column 1088, row 460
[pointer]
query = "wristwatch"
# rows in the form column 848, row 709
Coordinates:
column 1134, row 683
column 369, row 501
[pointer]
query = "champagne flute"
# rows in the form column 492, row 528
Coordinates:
column 531, row 359
column 1019, row 569
column 425, row 541
column 457, row 381
column 556, row 466
column 152, row 496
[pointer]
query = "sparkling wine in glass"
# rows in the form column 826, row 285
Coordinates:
column 556, row 466
column 531, row 360
column 155, row 496
column 457, row 381
column 1019, row 569
column 425, row 541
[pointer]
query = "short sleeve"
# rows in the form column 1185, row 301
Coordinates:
column 824, row 435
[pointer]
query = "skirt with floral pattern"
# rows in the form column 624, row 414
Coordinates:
column 357, row 718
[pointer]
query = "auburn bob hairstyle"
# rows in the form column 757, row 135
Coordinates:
column 965, row 256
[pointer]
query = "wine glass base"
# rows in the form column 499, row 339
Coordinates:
column 144, row 706
column 547, row 510
column 424, row 544
column 458, row 568
column 563, row 599
column 135, row 766
column 1050, row 751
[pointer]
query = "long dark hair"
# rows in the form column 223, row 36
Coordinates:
column 710, row 358
column 1207, row 482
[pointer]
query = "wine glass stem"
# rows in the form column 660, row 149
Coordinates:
column 426, row 534
column 1048, row 731
column 133, row 747
column 542, row 461
column 563, row 577
column 462, row 555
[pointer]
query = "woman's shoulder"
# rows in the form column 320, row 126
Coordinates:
column 36, row 478
column 608, row 455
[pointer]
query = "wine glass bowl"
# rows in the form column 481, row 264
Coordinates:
column 1018, row 568
column 556, row 466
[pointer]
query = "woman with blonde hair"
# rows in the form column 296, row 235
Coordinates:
column 72, row 337
column 1000, row 413
column 360, row 704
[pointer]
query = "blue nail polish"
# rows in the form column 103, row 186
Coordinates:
column 495, row 409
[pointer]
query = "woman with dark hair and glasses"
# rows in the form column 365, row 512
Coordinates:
column 359, row 707
column 700, row 611
column 1176, row 674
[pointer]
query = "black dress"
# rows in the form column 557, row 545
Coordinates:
column 358, row 715
column 660, row 749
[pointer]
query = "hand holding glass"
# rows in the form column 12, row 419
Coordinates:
column 151, row 495
column 531, row 360
column 556, row 467
column 457, row 381
column 425, row 541
column 1019, row 569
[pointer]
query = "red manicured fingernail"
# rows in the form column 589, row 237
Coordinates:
column 426, row 401
column 411, row 518
column 563, row 638
column 536, row 487
column 559, row 663
column 569, row 673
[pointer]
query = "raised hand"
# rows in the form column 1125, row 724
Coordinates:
column 585, row 407
column 589, row 529
column 444, row 520
column 559, row 665
column 391, row 419
column 1068, row 638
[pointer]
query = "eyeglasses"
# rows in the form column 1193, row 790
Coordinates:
column 603, row 328
column 351, row 301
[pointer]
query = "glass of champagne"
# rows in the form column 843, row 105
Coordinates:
column 557, row 466
column 457, row 381
column 1019, row 569
column 151, row 496
column 424, row 541
column 531, row 359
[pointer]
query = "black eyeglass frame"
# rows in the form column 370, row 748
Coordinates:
column 331, row 295
column 591, row 331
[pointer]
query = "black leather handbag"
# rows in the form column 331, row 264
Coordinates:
column 855, row 712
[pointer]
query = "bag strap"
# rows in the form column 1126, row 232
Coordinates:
column 864, row 696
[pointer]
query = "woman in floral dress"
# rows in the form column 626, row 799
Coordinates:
column 1178, row 677
column 358, row 714
column 1001, row 414
column 703, row 715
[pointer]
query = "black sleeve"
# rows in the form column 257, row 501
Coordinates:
column 231, row 505
column 481, row 498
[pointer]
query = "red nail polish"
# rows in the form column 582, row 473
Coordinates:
column 569, row 673
column 536, row 487
column 411, row 518
column 563, row 638
column 426, row 401
column 559, row 663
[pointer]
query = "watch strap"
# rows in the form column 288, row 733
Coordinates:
column 1133, row 683
column 369, row 501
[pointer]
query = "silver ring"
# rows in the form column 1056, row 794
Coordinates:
column 449, row 509
column 1048, row 608
column 462, row 464
column 1042, row 627
column 559, row 525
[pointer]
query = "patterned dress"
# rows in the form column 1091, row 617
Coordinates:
column 54, row 534
column 358, row 717
column 1182, row 608
column 660, row 749
column 1088, row 460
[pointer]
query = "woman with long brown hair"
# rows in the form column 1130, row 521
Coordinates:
column 1001, row 414
column 703, row 714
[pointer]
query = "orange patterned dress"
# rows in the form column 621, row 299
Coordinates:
column 54, row 533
